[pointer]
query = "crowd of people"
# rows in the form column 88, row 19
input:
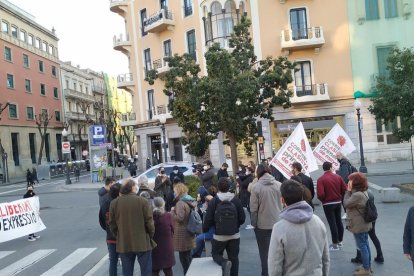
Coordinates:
column 150, row 225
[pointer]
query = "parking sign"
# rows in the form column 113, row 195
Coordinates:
column 97, row 134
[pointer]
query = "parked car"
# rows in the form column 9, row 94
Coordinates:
column 185, row 167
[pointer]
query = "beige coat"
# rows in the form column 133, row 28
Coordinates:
column 354, row 203
column 183, row 240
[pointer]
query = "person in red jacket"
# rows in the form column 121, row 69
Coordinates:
column 330, row 190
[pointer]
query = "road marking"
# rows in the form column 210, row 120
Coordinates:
column 69, row 262
column 5, row 253
column 96, row 268
column 26, row 262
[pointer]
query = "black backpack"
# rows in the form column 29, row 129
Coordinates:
column 226, row 218
column 370, row 214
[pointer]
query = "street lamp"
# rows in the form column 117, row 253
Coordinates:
column 362, row 168
column 162, row 118
column 65, row 138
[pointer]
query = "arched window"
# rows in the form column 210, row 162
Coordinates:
column 220, row 23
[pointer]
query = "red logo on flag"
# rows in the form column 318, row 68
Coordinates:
column 302, row 145
column 341, row 140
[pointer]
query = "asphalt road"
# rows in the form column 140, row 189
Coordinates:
column 388, row 181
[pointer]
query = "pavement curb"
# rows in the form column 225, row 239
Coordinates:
column 390, row 173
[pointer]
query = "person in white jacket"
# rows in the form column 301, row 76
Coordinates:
column 299, row 244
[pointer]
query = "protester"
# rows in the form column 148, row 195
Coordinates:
column 148, row 163
column 162, row 184
column 305, row 180
column 244, row 193
column 132, row 168
column 373, row 236
column 265, row 207
column 226, row 214
column 206, row 176
column 330, row 191
column 222, row 172
column 203, row 237
column 104, row 222
column 132, row 224
column 275, row 172
column 143, row 187
column 30, row 193
column 171, row 199
column 163, row 255
column 34, row 175
column 176, row 173
column 103, row 192
column 344, row 167
column 77, row 173
column 29, row 178
column 299, row 244
column 184, row 241
column 408, row 237
column 355, row 200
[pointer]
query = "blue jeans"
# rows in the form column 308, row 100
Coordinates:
column 362, row 243
column 144, row 260
column 113, row 259
column 198, row 250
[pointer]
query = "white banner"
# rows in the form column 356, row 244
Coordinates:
column 335, row 141
column 20, row 218
column 295, row 149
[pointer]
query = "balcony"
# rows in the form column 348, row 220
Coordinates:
column 77, row 116
column 119, row 6
column 154, row 112
column 302, row 38
column 122, row 43
column 161, row 66
column 128, row 119
column 70, row 93
column 126, row 81
column 310, row 93
column 159, row 22
column 98, row 89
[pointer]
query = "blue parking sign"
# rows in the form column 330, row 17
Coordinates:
column 97, row 134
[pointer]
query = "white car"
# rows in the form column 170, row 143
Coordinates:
column 185, row 167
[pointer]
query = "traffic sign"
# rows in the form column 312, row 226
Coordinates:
column 65, row 147
column 98, row 133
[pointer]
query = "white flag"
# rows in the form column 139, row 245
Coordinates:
column 335, row 141
column 295, row 149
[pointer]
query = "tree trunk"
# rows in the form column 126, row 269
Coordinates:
column 3, row 162
column 412, row 157
column 233, row 152
column 42, row 144
column 128, row 141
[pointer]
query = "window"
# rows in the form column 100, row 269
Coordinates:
column 151, row 104
column 220, row 22
column 28, row 85
column 10, row 81
column 188, row 7
column 22, row 35
column 51, row 50
column 81, row 87
column 143, row 17
column 15, row 148
column 32, row 145
column 191, row 44
column 390, row 8
column 44, row 111
column 382, row 56
column 12, row 111
column 42, row 89
column 147, row 58
column 371, row 9
column 55, row 92
column 7, row 54
column 14, row 31
column 4, row 27
column 30, row 39
column 164, row 4
column 298, row 24
column 44, row 46
column 303, row 78
column 30, row 113
column 53, row 70
column 37, row 43
column 57, row 116
column 41, row 68
column 26, row 61
column 385, row 129
column 167, row 51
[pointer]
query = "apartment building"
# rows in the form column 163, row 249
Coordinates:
column 29, row 82
column 376, row 26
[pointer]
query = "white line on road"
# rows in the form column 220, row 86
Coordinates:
column 5, row 253
column 69, row 262
column 96, row 268
column 26, row 262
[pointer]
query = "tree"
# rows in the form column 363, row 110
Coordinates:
column 2, row 108
column 128, row 134
column 42, row 121
column 395, row 94
column 237, row 90
column 84, row 107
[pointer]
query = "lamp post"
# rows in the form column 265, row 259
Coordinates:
column 65, row 138
column 362, row 168
column 163, row 119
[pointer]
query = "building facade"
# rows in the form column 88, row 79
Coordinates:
column 29, row 83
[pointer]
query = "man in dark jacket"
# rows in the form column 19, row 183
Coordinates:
column 330, row 191
column 221, row 240
column 408, row 238
column 103, row 192
column 222, row 172
column 30, row 193
column 306, row 180
column 132, row 214
column 176, row 173
column 344, row 167
column 207, row 175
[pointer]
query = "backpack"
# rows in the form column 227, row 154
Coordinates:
column 226, row 218
column 194, row 224
column 370, row 214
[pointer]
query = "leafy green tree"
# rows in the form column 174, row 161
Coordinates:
column 395, row 93
column 237, row 90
